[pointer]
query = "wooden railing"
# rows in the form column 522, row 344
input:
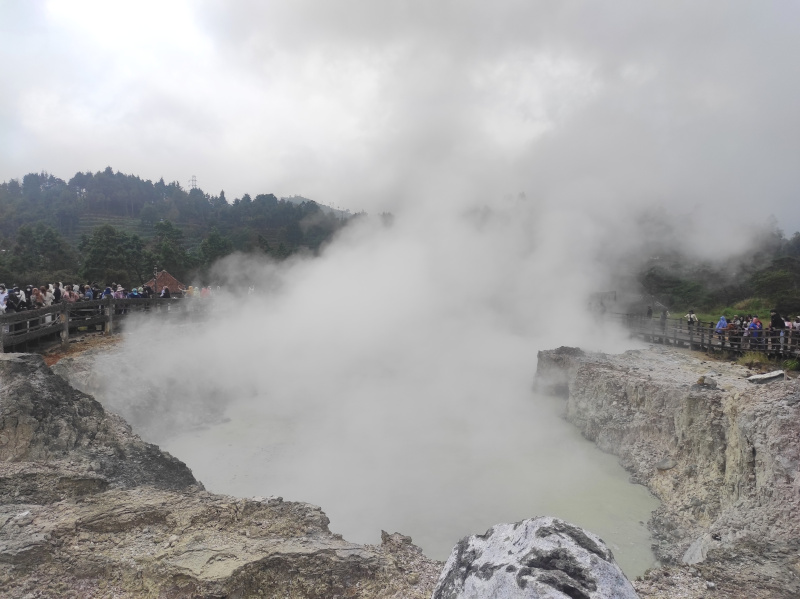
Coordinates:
column 61, row 320
column 704, row 337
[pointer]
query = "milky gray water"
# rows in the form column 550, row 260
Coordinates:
column 436, row 482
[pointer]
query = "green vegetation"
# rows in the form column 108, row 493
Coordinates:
column 767, row 278
column 110, row 226
column 753, row 359
column 792, row 364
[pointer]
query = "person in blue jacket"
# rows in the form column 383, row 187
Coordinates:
column 722, row 325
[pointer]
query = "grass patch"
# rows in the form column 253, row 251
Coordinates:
column 754, row 305
column 792, row 364
column 753, row 359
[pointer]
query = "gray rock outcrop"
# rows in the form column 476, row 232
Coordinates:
column 541, row 558
column 157, row 408
column 87, row 509
column 724, row 460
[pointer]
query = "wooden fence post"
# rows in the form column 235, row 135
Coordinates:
column 2, row 340
column 64, row 316
column 109, row 328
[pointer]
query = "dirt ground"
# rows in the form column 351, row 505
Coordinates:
column 79, row 345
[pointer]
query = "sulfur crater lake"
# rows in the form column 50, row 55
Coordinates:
column 402, row 468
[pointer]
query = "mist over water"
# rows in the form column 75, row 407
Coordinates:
column 389, row 380
column 436, row 481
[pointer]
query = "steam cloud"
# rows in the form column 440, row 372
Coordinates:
column 518, row 144
column 391, row 377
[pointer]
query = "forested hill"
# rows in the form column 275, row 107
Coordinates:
column 111, row 226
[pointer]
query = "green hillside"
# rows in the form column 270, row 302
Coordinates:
column 112, row 225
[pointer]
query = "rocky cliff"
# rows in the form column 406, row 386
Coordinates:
column 722, row 454
column 87, row 509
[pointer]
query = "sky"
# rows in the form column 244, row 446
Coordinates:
column 384, row 105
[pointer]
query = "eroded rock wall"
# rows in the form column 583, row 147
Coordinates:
column 87, row 509
column 721, row 454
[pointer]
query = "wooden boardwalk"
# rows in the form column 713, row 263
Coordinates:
column 703, row 337
column 60, row 321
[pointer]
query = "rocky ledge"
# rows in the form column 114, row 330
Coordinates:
column 722, row 454
column 87, row 509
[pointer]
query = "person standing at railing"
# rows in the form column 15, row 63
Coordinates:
column 777, row 328
column 733, row 332
column 69, row 295
column 3, row 296
column 37, row 299
column 722, row 325
column 691, row 320
column 755, row 332
column 47, row 297
column 14, row 304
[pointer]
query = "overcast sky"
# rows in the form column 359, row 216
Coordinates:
column 373, row 105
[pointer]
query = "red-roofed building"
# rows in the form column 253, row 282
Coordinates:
column 164, row 279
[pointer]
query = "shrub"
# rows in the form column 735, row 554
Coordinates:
column 752, row 358
column 792, row 364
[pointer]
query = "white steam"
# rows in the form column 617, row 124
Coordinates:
column 390, row 378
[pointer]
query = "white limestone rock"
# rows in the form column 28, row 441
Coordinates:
column 541, row 558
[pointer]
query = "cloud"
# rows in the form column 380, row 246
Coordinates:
column 367, row 105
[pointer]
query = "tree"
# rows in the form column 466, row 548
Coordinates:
column 113, row 255
column 169, row 251
column 214, row 247
column 39, row 251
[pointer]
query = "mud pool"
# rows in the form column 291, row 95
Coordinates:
column 435, row 483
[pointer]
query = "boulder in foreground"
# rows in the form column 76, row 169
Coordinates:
column 541, row 558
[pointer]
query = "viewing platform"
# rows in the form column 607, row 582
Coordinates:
column 60, row 321
column 702, row 336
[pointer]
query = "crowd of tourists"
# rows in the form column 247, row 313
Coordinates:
column 778, row 334
column 18, row 299
column 750, row 332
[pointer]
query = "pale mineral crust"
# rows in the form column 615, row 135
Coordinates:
column 722, row 454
